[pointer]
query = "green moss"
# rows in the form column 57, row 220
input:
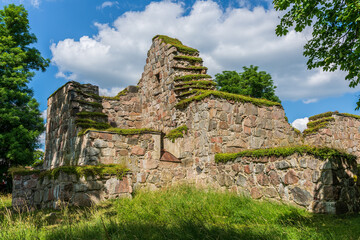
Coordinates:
column 322, row 115
column 117, row 97
column 348, row 115
column 224, row 95
column 177, row 133
column 202, row 82
column 189, row 59
column 22, row 171
column 194, row 91
column 314, row 126
column 121, row 131
column 297, row 130
column 192, row 68
column 86, row 171
column 85, row 114
column 286, row 119
column 88, row 123
column 178, row 44
column 187, row 78
column 38, row 163
column 315, row 123
column 94, row 104
column 322, row 153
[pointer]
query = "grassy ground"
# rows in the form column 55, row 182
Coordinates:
column 177, row 213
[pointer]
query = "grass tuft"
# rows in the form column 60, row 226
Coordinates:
column 189, row 59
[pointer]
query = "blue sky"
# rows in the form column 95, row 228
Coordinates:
column 105, row 43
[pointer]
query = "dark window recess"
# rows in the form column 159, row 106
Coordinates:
column 157, row 77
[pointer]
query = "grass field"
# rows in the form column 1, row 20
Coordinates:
column 177, row 213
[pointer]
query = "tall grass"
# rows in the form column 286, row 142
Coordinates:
column 178, row 213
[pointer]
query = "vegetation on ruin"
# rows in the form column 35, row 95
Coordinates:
column 85, row 114
column 99, row 170
column 322, row 115
column 117, row 97
column 88, row 123
column 178, row 44
column 189, row 59
column 321, row 121
column 250, row 82
column 322, row 153
column 202, row 94
column 20, row 170
column 177, row 213
column 190, row 77
column 177, row 133
column 121, row 131
column 192, row 68
column 196, row 82
column 348, row 115
column 94, row 104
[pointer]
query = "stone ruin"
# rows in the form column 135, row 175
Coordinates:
column 171, row 128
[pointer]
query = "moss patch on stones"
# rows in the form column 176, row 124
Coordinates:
column 202, row 94
column 88, row 123
column 117, row 97
column 322, row 115
column 187, row 78
column 178, row 44
column 85, row 114
column 177, row 133
column 322, row 153
column 188, row 59
column 121, row 131
column 22, row 171
column 94, row 104
column 348, row 115
column 100, row 170
column 314, row 126
column 192, row 68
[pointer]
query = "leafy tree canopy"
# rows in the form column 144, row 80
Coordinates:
column 335, row 42
column 20, row 118
column 250, row 82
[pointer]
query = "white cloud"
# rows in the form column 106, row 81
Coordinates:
column 44, row 114
column 109, row 92
column 227, row 40
column 300, row 123
column 35, row 3
column 107, row 4
column 311, row 100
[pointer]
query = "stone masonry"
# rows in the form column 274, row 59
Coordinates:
column 82, row 130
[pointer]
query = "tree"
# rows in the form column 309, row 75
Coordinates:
column 20, row 118
column 250, row 82
column 335, row 42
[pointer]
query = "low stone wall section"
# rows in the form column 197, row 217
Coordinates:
column 67, row 190
column 305, row 181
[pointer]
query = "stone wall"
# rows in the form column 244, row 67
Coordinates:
column 219, row 126
column 134, row 151
column 305, row 181
column 67, row 190
column 124, row 112
column 61, row 129
column 343, row 133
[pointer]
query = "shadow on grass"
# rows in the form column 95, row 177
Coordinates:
column 185, row 230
